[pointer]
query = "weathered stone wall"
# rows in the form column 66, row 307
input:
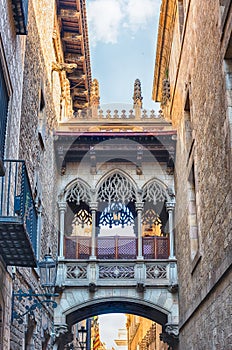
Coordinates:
column 138, row 327
column 13, row 50
column 40, row 160
column 205, row 301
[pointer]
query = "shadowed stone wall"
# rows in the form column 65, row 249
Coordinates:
column 198, row 109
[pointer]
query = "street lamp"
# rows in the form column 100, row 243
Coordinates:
column 48, row 270
column 82, row 335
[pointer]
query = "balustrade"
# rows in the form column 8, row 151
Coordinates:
column 109, row 115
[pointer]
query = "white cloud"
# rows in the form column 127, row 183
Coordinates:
column 106, row 17
column 140, row 12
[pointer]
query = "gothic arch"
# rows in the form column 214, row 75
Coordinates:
column 116, row 186
column 154, row 191
column 78, row 190
column 155, row 217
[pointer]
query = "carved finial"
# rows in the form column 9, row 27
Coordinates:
column 137, row 94
column 94, row 94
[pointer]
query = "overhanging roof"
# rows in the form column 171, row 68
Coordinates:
column 74, row 35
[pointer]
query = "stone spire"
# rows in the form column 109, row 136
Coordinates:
column 94, row 94
column 137, row 94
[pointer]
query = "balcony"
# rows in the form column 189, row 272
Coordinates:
column 116, row 247
column 18, row 216
column 20, row 12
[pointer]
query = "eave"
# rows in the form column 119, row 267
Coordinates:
column 74, row 37
column 163, row 47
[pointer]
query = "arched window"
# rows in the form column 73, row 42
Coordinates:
column 78, row 219
column 155, row 217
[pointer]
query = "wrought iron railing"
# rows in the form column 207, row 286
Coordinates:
column 16, row 200
column 116, row 247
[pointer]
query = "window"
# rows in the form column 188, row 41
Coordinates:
column 181, row 16
column 224, row 8
column 193, row 226
column 188, row 126
column 41, row 120
column 4, row 101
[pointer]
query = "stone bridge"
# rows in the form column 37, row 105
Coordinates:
column 146, row 288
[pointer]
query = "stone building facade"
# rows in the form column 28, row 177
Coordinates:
column 143, row 334
column 34, row 97
column 192, row 81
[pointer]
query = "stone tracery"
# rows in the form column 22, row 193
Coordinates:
column 116, row 202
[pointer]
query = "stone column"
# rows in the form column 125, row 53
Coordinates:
column 139, row 209
column 170, row 208
column 62, row 209
column 93, row 208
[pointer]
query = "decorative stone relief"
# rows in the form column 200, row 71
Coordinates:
column 76, row 272
column 78, row 192
column 116, row 188
column 116, row 272
column 154, row 192
column 156, row 271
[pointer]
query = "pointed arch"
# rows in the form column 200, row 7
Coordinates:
column 154, row 191
column 116, row 186
column 78, row 191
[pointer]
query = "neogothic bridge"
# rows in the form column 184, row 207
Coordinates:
column 117, row 251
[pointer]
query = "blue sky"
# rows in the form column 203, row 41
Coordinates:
column 122, row 35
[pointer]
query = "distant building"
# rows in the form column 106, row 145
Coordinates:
column 144, row 334
column 121, row 341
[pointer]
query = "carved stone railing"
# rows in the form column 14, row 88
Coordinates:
column 127, row 273
column 121, row 115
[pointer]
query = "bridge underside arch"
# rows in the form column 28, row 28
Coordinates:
column 117, row 305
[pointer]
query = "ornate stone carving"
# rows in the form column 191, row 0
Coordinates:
column 60, row 330
column 78, row 192
column 94, row 94
column 154, row 192
column 156, row 271
column 171, row 335
column 116, row 272
column 137, row 97
column 67, row 67
column 116, row 214
column 76, row 272
column 116, row 188
column 165, row 92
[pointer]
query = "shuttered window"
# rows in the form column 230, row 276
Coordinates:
column 4, row 99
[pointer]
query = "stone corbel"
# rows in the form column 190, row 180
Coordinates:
column 60, row 67
column 170, row 336
column 59, row 331
column 139, row 157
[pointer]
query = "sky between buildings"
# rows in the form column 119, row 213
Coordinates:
column 122, row 35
